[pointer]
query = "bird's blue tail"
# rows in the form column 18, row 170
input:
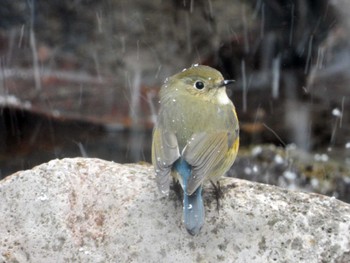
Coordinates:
column 193, row 208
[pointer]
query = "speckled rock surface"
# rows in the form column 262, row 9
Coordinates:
column 90, row 210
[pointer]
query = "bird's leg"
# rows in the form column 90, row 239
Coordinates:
column 176, row 187
column 218, row 193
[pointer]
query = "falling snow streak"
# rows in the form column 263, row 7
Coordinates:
column 262, row 25
column 136, row 138
column 158, row 71
column 191, row 6
column 320, row 57
column 32, row 42
column 99, row 22
column 338, row 121
column 138, row 50
column 82, row 149
column 342, row 111
column 135, row 97
column 244, row 83
column 2, row 77
column 150, row 97
column 97, row 66
column 308, row 59
column 276, row 72
column 257, row 9
column 21, row 37
column 291, row 25
column 334, row 131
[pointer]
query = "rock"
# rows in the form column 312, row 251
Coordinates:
column 90, row 210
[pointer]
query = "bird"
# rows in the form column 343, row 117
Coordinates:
column 195, row 138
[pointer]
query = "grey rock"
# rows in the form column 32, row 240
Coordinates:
column 90, row 210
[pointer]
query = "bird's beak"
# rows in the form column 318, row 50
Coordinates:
column 226, row 82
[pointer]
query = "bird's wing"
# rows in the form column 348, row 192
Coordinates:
column 165, row 151
column 204, row 152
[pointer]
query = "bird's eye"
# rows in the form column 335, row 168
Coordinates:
column 199, row 85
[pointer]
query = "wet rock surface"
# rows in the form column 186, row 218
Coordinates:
column 90, row 210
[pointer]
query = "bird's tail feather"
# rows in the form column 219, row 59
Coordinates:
column 193, row 208
column 193, row 211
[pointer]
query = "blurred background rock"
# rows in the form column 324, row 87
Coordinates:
column 81, row 78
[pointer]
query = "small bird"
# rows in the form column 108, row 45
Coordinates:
column 196, row 137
